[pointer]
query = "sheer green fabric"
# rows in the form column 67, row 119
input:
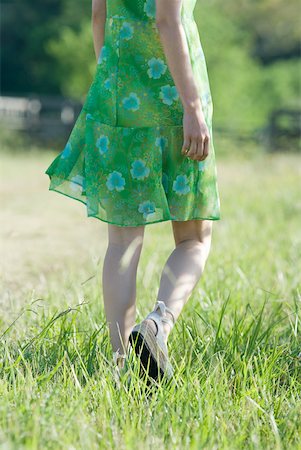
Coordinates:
column 123, row 157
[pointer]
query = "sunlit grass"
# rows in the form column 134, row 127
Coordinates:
column 235, row 348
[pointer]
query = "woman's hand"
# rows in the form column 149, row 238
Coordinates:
column 196, row 133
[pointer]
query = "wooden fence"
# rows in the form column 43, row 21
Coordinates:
column 52, row 117
column 42, row 117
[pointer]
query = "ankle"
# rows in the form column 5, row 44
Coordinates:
column 167, row 327
column 166, row 330
column 167, row 314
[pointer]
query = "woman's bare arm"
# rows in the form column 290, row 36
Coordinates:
column 174, row 43
column 98, row 18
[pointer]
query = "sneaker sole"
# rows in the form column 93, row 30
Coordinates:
column 152, row 358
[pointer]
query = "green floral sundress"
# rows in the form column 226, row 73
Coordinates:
column 123, row 157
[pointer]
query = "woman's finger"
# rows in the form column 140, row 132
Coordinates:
column 185, row 146
column 205, row 148
column 193, row 149
column 200, row 149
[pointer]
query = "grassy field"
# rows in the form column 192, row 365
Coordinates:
column 235, row 348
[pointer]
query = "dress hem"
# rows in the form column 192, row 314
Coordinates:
column 137, row 225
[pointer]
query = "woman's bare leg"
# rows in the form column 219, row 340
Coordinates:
column 119, row 282
column 184, row 266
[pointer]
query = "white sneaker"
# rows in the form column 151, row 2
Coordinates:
column 150, row 346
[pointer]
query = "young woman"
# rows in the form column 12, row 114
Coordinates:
column 141, row 152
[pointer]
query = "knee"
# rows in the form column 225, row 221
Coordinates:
column 195, row 243
column 197, row 232
column 202, row 246
column 125, row 238
column 128, row 251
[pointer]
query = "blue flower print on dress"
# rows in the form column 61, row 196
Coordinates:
column 89, row 116
column 201, row 166
column 161, row 142
column 103, row 54
column 180, row 185
column 168, row 94
column 107, row 84
column 102, row 144
column 115, row 181
column 131, row 102
column 139, row 169
column 78, row 179
column 146, row 208
column 127, row 31
column 67, row 150
column 78, row 182
column 156, row 68
column 150, row 8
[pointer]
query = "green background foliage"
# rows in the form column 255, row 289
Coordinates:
column 251, row 48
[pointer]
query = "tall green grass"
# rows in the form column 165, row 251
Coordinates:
column 235, row 348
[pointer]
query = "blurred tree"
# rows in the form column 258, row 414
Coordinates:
column 26, row 27
column 234, row 76
column 75, row 59
column 274, row 26
column 245, row 89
